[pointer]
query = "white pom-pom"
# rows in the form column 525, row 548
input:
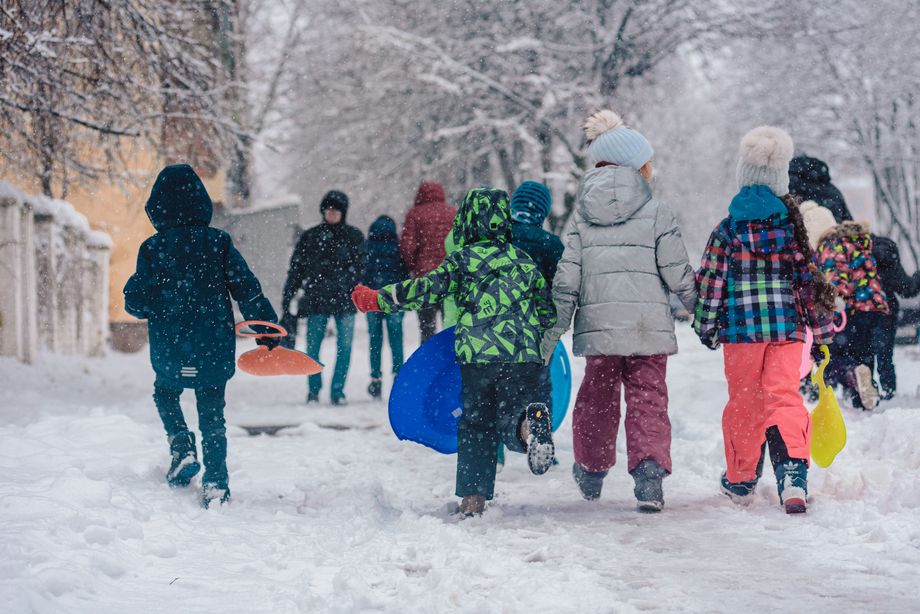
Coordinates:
column 767, row 146
column 601, row 122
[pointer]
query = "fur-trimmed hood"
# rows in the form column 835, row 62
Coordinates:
column 846, row 231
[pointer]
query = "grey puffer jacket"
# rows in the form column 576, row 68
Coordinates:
column 623, row 253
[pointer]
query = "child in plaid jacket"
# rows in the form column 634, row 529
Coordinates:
column 758, row 290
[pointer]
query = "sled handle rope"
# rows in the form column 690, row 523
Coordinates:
column 239, row 329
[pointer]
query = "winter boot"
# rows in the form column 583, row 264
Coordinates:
column 589, row 483
column 472, row 505
column 792, row 484
column 184, row 464
column 214, row 492
column 649, row 495
column 540, row 448
column 375, row 388
column 339, row 400
column 866, row 387
column 312, row 397
column 741, row 493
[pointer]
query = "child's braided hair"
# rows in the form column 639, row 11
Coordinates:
column 824, row 292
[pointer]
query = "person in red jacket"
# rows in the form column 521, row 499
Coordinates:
column 422, row 242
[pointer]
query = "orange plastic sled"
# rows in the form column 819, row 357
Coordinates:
column 279, row 361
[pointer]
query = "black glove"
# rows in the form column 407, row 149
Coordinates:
column 269, row 342
column 711, row 341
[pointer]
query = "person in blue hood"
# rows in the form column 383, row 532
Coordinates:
column 530, row 206
column 186, row 275
column 384, row 266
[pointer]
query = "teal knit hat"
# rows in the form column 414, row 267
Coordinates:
column 531, row 203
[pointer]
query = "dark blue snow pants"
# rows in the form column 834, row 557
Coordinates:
column 210, row 422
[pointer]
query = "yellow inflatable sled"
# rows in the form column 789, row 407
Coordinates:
column 828, row 431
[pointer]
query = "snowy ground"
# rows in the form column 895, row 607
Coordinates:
column 336, row 515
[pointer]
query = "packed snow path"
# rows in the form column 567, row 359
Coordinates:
column 336, row 515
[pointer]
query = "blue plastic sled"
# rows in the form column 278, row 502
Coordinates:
column 425, row 405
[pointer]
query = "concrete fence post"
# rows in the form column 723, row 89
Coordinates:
column 99, row 251
column 11, row 282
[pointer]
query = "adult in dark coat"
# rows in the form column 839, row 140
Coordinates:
column 422, row 242
column 186, row 275
column 384, row 267
column 327, row 263
column 810, row 179
column 895, row 281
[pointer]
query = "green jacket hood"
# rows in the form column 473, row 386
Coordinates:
column 484, row 216
column 178, row 199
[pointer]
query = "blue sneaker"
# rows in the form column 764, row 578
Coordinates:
column 741, row 493
column 792, row 484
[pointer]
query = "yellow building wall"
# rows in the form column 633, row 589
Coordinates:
column 117, row 208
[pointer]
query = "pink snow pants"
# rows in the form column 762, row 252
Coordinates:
column 763, row 391
column 596, row 417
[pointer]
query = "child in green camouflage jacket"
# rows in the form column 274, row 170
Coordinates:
column 503, row 308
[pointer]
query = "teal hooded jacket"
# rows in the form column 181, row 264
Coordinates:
column 186, row 275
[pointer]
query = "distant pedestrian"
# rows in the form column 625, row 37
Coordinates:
column 384, row 266
column 326, row 264
column 422, row 242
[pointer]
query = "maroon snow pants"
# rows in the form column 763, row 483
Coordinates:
column 596, row 418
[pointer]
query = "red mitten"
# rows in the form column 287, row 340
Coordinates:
column 365, row 299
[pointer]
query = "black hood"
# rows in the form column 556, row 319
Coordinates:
column 806, row 170
column 178, row 199
column 337, row 200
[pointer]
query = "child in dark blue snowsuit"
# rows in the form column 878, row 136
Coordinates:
column 384, row 266
column 530, row 206
column 186, row 275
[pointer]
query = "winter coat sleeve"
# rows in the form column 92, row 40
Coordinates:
column 409, row 241
column 835, row 269
column 546, row 312
column 356, row 260
column 246, row 289
column 296, row 271
column 711, row 286
column 426, row 291
column 567, row 282
column 888, row 259
column 137, row 290
column 822, row 325
column 672, row 260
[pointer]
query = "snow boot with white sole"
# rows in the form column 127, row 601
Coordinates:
column 649, row 495
column 589, row 483
column 741, row 493
column 792, row 484
column 540, row 448
column 184, row 465
column 865, row 386
column 214, row 492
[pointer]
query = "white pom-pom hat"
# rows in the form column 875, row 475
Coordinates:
column 610, row 140
column 765, row 155
column 818, row 220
